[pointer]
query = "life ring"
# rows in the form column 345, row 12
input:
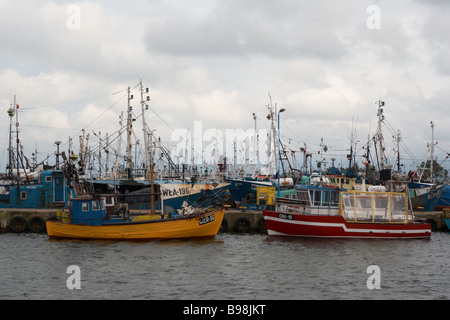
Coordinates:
column 242, row 225
column 36, row 225
column 17, row 224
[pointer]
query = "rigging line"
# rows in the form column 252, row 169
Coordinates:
column 43, row 127
column 113, row 105
column 77, row 101
column 162, row 119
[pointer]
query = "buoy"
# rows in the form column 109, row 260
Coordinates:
column 17, row 224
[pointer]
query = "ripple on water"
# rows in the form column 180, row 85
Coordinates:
column 231, row 266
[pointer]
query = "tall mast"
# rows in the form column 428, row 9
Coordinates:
column 10, row 164
column 144, row 128
column 432, row 150
column 129, row 126
column 383, row 159
column 398, row 140
column 17, row 147
column 118, row 151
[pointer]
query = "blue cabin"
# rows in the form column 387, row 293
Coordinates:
column 88, row 211
column 52, row 191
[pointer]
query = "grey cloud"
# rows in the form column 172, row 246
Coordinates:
column 240, row 29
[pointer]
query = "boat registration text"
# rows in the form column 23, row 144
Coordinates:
column 207, row 219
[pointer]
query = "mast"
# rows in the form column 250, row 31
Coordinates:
column 129, row 126
column 17, row 147
column 271, row 117
column 432, row 150
column 10, row 164
column 118, row 151
column 398, row 140
column 144, row 128
column 383, row 159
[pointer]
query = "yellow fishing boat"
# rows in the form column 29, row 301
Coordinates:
column 88, row 220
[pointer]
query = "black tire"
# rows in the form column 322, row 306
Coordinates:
column 17, row 224
column 432, row 223
column 242, row 225
column 262, row 226
column 224, row 226
column 36, row 225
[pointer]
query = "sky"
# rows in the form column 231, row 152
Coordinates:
column 213, row 62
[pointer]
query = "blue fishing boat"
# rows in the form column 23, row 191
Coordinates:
column 244, row 190
column 168, row 194
column 444, row 199
column 50, row 190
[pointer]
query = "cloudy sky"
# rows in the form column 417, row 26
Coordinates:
column 326, row 62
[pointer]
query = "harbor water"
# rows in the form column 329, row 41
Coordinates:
column 228, row 267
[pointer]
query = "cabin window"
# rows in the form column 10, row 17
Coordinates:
column 23, row 195
column 48, row 179
column 303, row 195
column 95, row 205
column 109, row 200
column 85, row 206
column 317, row 197
column 335, row 196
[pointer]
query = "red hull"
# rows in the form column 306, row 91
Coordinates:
column 323, row 226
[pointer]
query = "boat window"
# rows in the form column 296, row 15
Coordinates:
column 95, row 205
column 48, row 179
column 109, row 200
column 85, row 206
column 23, row 195
column 326, row 198
column 398, row 208
column 380, row 201
column 375, row 207
column 347, row 206
column 365, row 202
column 335, row 195
column 303, row 195
column 317, row 197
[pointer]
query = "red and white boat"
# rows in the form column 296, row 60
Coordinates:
column 329, row 213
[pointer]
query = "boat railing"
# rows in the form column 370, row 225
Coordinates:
column 374, row 207
column 290, row 205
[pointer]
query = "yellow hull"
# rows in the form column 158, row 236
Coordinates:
column 204, row 226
